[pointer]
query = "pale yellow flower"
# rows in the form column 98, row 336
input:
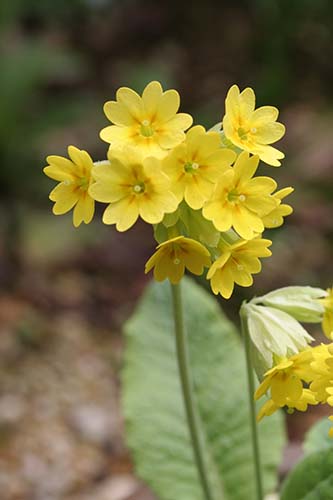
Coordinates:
column 236, row 264
column 241, row 201
column 275, row 217
column 196, row 164
column 74, row 178
column 150, row 122
column 174, row 256
column 252, row 130
column 135, row 187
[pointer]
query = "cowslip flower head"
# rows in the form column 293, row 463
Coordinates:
column 241, row 201
column 236, row 264
column 196, row 164
column 150, row 122
column 275, row 217
column 327, row 323
column 174, row 256
column 252, row 130
column 134, row 187
column 74, row 176
column 285, row 380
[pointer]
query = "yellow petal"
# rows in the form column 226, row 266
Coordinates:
column 270, row 132
column 119, row 114
column 168, row 106
column 83, row 211
column 245, row 167
column 132, row 101
column 116, row 134
column 124, row 213
column 151, row 97
column 264, row 115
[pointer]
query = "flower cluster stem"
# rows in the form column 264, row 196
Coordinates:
column 253, row 422
column 187, row 390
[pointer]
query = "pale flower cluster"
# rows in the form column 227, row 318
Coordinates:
column 197, row 188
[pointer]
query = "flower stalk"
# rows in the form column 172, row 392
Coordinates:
column 251, row 391
column 187, row 390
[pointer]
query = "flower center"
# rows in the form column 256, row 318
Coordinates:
column 139, row 188
column 191, row 166
column 176, row 261
column 242, row 133
column 83, row 183
column 146, row 129
column 234, row 197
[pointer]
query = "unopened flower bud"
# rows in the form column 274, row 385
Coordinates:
column 301, row 302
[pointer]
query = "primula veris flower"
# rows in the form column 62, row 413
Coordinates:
column 275, row 217
column 327, row 323
column 252, row 130
column 150, row 122
column 239, row 200
column 285, row 380
column 303, row 379
column 74, row 176
column 302, row 402
column 236, row 264
column 196, row 164
column 134, row 187
column 174, row 256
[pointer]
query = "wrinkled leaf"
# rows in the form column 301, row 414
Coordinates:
column 157, row 432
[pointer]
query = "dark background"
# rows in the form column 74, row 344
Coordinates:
column 65, row 292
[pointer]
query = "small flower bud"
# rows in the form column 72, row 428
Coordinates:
column 301, row 302
column 274, row 334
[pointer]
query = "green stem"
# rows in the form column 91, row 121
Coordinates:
column 253, row 421
column 187, row 390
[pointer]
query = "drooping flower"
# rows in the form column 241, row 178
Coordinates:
column 275, row 217
column 252, row 130
column 301, row 404
column 174, row 256
column 196, row 164
column 74, row 176
column 134, row 187
column 236, row 264
column 285, row 379
column 150, row 122
column 241, row 201
column 327, row 323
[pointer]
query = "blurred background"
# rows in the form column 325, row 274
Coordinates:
column 66, row 292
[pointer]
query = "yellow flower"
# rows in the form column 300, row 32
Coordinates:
column 150, row 122
column 236, row 264
column 75, row 178
column 195, row 165
column 240, row 200
column 134, row 187
column 285, row 381
column 275, row 217
column 252, row 130
column 327, row 323
column 176, row 254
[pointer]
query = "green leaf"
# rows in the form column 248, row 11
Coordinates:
column 317, row 437
column 157, row 432
column 312, row 478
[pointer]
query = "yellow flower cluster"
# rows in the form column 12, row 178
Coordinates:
column 197, row 188
column 303, row 379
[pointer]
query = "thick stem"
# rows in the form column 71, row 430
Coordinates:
column 251, row 389
column 187, row 390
